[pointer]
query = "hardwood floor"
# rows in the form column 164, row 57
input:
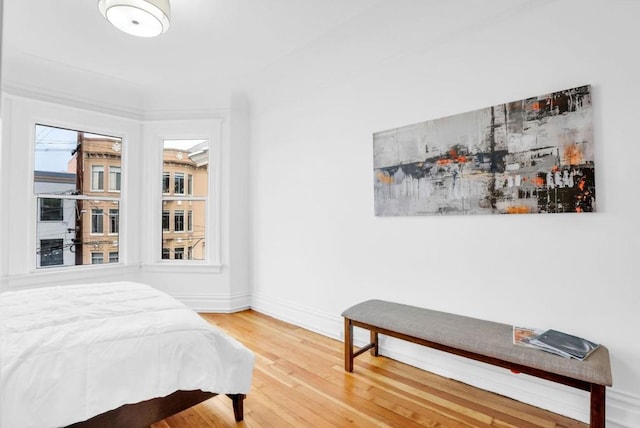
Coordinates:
column 299, row 381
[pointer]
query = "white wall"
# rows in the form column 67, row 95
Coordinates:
column 318, row 248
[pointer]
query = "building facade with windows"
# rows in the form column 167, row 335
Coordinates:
column 56, row 219
column 184, row 189
column 97, row 163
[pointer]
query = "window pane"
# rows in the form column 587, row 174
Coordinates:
column 73, row 164
column 185, row 187
column 178, row 181
column 113, row 257
column 97, row 221
column 166, row 180
column 114, row 178
column 97, row 258
column 114, row 221
column 181, row 236
column 51, row 209
column 97, row 178
column 70, row 162
column 51, row 252
column 178, row 221
column 166, row 218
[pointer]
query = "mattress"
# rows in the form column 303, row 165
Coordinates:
column 68, row 353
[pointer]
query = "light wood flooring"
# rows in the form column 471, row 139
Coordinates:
column 299, row 381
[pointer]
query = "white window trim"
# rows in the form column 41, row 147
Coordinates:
column 22, row 115
column 155, row 133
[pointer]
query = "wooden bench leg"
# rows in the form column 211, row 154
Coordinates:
column 348, row 345
column 597, row 417
column 238, row 405
column 374, row 342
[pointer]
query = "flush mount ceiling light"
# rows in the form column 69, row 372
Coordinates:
column 142, row 18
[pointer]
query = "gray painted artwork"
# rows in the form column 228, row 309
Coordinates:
column 529, row 156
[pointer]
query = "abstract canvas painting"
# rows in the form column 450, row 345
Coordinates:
column 534, row 155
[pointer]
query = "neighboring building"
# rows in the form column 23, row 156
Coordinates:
column 56, row 224
column 98, row 165
column 184, row 180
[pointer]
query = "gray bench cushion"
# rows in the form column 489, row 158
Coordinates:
column 478, row 336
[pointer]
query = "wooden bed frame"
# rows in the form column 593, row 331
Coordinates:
column 145, row 413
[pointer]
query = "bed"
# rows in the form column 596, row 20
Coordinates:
column 93, row 354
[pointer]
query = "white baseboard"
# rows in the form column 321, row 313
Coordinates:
column 623, row 410
column 317, row 321
column 223, row 303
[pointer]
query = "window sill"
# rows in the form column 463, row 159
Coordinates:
column 63, row 275
column 181, row 267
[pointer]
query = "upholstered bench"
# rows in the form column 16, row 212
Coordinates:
column 480, row 340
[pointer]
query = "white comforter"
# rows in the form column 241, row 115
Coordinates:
column 72, row 352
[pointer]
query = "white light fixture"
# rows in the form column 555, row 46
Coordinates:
column 142, row 18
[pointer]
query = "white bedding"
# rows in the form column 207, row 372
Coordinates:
column 69, row 353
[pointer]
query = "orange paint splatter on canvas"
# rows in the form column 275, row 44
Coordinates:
column 384, row 178
column 581, row 184
column 573, row 155
column 520, row 209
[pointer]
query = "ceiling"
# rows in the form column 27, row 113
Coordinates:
column 269, row 50
column 217, row 44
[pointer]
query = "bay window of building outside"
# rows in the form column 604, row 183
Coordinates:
column 75, row 198
column 185, row 177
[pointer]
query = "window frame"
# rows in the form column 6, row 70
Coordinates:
column 42, row 207
column 177, row 213
column 94, row 257
column 176, row 251
column 166, row 183
column 176, row 176
column 100, row 170
column 166, row 251
column 166, row 215
column 211, row 130
column 118, row 174
column 21, row 243
column 113, row 216
column 60, row 243
column 97, row 227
